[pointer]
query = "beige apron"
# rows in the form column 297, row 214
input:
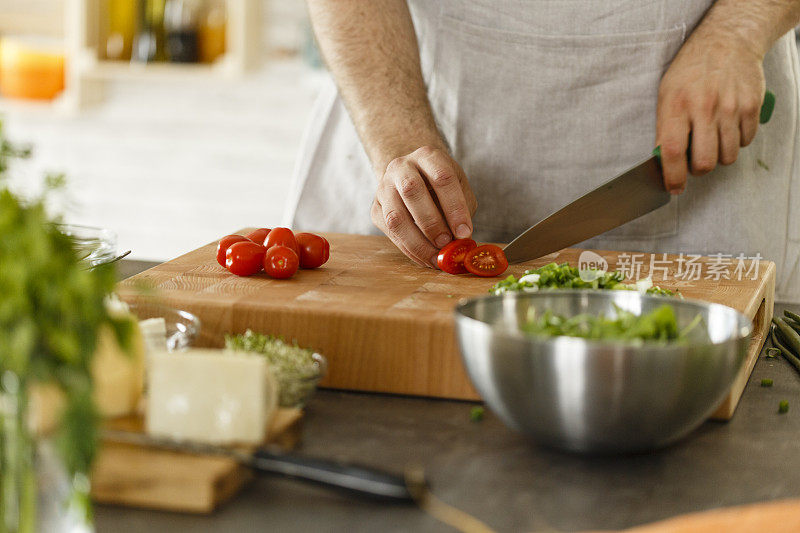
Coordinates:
column 542, row 100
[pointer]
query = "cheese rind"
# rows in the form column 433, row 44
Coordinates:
column 208, row 396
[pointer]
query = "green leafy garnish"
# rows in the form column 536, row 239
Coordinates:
column 295, row 368
column 658, row 325
column 476, row 413
column 766, row 383
column 564, row 276
column 783, row 407
column 51, row 310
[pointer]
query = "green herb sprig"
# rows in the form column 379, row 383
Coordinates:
column 50, row 312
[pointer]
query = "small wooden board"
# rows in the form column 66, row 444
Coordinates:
column 136, row 476
column 386, row 324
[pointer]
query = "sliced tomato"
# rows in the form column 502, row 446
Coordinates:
column 259, row 235
column 487, row 261
column 451, row 257
column 282, row 237
column 225, row 243
column 281, row 262
column 245, row 258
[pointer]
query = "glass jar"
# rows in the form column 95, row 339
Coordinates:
column 94, row 245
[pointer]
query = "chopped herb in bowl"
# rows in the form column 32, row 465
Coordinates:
column 659, row 325
column 297, row 370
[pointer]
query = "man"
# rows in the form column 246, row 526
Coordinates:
column 522, row 106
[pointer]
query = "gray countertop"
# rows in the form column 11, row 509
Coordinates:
column 499, row 477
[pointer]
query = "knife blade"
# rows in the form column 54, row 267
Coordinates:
column 633, row 193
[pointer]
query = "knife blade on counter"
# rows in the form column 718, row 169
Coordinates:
column 350, row 478
column 634, row 193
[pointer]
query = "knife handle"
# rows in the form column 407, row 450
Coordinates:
column 346, row 477
column 767, row 107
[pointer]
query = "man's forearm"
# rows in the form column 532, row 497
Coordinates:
column 371, row 50
column 758, row 23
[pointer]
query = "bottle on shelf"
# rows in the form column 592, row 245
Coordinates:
column 149, row 42
column 182, row 28
column 121, row 29
column 212, row 31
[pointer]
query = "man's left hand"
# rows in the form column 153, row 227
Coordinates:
column 712, row 90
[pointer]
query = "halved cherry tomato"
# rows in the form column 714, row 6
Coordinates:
column 258, row 236
column 451, row 257
column 487, row 261
column 314, row 250
column 282, row 237
column 281, row 262
column 245, row 258
column 225, row 243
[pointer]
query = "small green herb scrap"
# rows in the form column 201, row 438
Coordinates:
column 783, row 407
column 766, row 383
column 476, row 413
column 763, row 165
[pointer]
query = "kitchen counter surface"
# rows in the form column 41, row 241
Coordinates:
column 512, row 485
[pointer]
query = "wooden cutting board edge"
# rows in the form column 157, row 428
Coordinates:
column 760, row 312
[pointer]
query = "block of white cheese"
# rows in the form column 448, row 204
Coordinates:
column 209, row 396
column 154, row 331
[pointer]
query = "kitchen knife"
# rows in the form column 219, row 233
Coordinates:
column 349, row 478
column 633, row 193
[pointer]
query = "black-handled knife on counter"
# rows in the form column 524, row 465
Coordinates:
column 344, row 477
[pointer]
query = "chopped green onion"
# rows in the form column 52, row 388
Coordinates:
column 783, row 407
column 772, row 352
column 766, row 383
column 476, row 413
column 563, row 276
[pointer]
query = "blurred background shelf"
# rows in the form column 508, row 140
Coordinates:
column 149, row 150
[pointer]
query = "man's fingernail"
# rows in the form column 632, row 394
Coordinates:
column 676, row 190
column 435, row 261
column 463, row 231
column 442, row 239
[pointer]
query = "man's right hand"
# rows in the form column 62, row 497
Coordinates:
column 423, row 202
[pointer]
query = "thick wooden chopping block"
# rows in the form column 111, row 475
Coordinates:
column 386, row 324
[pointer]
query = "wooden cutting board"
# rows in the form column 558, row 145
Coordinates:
column 150, row 478
column 386, row 324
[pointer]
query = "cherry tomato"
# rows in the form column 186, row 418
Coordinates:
column 282, row 237
column 451, row 257
column 487, row 261
column 225, row 243
column 245, row 258
column 314, row 250
column 258, row 236
column 281, row 262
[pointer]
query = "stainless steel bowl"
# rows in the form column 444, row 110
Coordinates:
column 599, row 396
